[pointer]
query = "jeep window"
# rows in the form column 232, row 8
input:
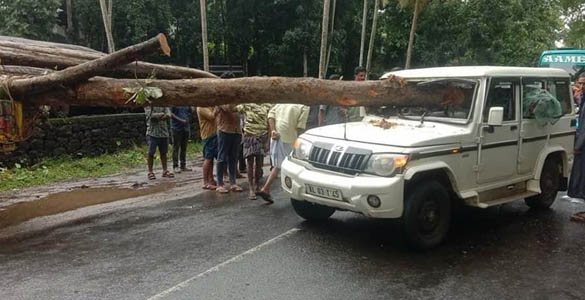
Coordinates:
column 545, row 99
column 501, row 94
column 456, row 99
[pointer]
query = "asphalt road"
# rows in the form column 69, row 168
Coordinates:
column 218, row 247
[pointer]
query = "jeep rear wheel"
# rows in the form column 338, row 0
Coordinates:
column 550, row 180
column 427, row 214
column 311, row 211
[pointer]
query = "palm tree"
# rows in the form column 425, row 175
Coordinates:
column 204, row 35
column 418, row 5
column 107, row 18
column 324, row 30
column 372, row 36
column 363, row 42
column 331, row 36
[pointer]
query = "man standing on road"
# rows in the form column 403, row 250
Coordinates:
column 229, row 135
column 157, row 135
column 577, row 179
column 286, row 122
column 180, row 123
column 207, row 130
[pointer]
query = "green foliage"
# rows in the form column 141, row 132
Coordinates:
column 66, row 167
column 34, row 19
column 271, row 37
column 143, row 94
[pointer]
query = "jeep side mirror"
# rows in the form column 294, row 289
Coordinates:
column 496, row 116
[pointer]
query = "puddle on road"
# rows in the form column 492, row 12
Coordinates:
column 70, row 200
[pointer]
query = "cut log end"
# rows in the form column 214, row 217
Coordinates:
column 164, row 45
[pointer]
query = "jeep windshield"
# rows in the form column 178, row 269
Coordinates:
column 449, row 100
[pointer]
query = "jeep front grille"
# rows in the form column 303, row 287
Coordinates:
column 346, row 162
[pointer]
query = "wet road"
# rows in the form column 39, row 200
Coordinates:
column 215, row 247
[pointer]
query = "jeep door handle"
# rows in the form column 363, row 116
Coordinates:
column 513, row 127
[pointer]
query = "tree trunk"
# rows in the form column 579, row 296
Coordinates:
column 324, row 30
column 23, row 71
column 204, row 35
column 69, row 8
column 372, row 37
column 411, row 38
column 212, row 92
column 33, row 55
column 44, row 44
column 107, row 27
column 20, row 87
column 331, row 31
column 305, row 64
column 363, row 42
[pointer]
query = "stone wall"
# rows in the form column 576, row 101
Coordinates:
column 81, row 136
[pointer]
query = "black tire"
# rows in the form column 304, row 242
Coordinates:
column 427, row 214
column 550, row 181
column 311, row 211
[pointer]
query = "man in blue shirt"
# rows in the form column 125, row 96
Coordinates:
column 180, row 123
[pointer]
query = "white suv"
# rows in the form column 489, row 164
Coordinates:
column 507, row 134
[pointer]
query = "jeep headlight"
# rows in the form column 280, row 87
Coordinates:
column 302, row 149
column 386, row 164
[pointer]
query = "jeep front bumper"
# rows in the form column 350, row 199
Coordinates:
column 354, row 189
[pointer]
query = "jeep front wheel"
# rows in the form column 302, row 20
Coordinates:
column 311, row 211
column 427, row 214
column 549, row 185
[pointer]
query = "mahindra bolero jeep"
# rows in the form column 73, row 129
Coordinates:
column 508, row 136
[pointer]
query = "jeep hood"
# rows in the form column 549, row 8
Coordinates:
column 394, row 132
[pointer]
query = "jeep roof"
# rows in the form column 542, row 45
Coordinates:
column 478, row 71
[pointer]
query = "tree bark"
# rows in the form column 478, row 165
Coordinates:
column 363, row 41
column 372, row 37
column 212, row 92
column 324, row 31
column 203, row 7
column 20, row 87
column 35, row 55
column 411, row 37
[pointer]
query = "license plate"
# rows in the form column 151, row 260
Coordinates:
column 324, row 192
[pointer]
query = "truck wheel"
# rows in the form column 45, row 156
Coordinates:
column 550, row 180
column 311, row 211
column 427, row 214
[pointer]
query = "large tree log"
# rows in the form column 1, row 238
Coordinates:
column 211, row 92
column 35, row 55
column 23, row 71
column 46, row 44
column 27, row 86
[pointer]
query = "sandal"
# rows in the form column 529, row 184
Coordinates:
column 236, row 188
column 265, row 196
column 222, row 190
column 168, row 174
column 151, row 176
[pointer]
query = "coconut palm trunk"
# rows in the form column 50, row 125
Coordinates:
column 372, row 36
column 204, row 35
column 363, row 41
column 324, row 31
column 412, row 31
column 106, row 9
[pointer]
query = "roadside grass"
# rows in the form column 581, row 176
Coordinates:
column 63, row 168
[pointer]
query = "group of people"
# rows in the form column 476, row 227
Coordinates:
column 231, row 132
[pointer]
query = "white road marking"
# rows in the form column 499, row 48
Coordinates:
column 236, row 258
